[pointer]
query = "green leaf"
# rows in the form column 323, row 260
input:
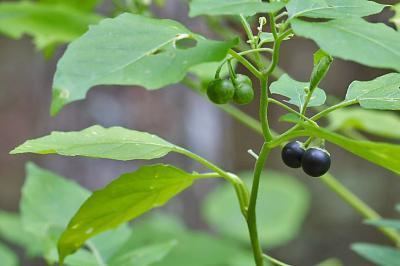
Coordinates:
column 371, row 44
column 110, row 143
column 282, row 206
column 396, row 18
column 332, row 8
column 322, row 63
column 124, row 199
column 130, row 50
column 296, row 91
column 48, row 203
column 381, row 255
column 86, row 5
column 49, row 24
column 144, row 256
column 11, row 230
column 7, row 257
column 384, row 154
column 395, row 224
column 381, row 93
column 330, row 262
column 206, row 71
column 374, row 122
column 192, row 248
column 233, row 7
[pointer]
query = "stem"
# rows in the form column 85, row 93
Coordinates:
column 248, row 30
column 95, row 253
column 357, row 204
column 269, row 50
column 242, row 117
column 263, row 113
column 275, row 261
column 271, row 100
column 245, row 63
column 251, row 218
column 240, row 187
column 333, row 108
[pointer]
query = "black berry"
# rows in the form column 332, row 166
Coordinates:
column 292, row 154
column 316, row 162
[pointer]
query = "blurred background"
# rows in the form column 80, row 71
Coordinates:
column 183, row 117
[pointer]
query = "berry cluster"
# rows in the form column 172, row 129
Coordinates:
column 314, row 161
column 239, row 89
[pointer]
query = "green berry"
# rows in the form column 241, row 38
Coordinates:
column 220, row 91
column 244, row 93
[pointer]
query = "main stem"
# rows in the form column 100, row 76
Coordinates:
column 251, row 213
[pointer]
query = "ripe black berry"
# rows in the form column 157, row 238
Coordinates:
column 316, row 162
column 292, row 154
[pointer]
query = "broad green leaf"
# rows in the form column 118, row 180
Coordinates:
column 371, row 44
column 48, row 203
column 49, row 24
column 130, row 50
column 396, row 18
column 332, row 8
column 381, row 255
column 395, row 224
column 282, row 206
column 384, row 154
column 374, row 122
column 381, row 93
column 296, row 91
column 78, row 4
column 7, row 256
column 233, row 7
column 124, row 199
column 11, row 230
column 110, row 143
column 192, row 248
column 144, row 256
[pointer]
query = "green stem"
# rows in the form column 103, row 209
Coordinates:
column 271, row 100
column 269, row 50
column 96, row 253
column 275, row 261
column 241, row 117
column 263, row 112
column 248, row 31
column 240, row 187
column 252, row 218
column 333, row 108
column 357, row 204
column 245, row 63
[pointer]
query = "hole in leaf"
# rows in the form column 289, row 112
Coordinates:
column 185, row 43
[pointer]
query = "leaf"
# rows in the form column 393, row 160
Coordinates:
column 374, row 122
column 233, row 7
column 49, row 24
column 206, row 71
column 332, row 8
column 395, row 224
column 381, row 255
column 11, row 230
column 282, row 206
column 130, row 50
column 384, row 154
column 46, row 203
column 371, row 44
column 110, row 143
column 381, row 93
column 322, row 63
column 396, row 18
column 124, row 199
column 7, row 257
column 192, row 248
column 144, row 256
column 330, row 262
column 86, row 5
column 296, row 91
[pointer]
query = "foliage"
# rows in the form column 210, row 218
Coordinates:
column 131, row 49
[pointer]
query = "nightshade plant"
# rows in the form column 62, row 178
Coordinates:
column 131, row 49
